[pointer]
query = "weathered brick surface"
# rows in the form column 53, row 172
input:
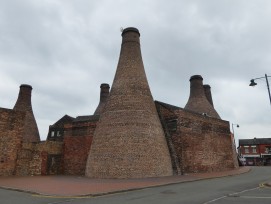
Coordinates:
column 198, row 101
column 77, row 141
column 202, row 144
column 44, row 163
column 104, row 93
column 129, row 141
column 206, row 143
column 11, row 131
column 169, row 123
column 25, row 155
column 23, row 103
column 208, row 93
column 33, row 158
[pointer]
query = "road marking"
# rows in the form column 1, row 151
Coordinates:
column 106, row 194
column 61, row 197
column 258, row 197
column 263, row 185
column 243, row 191
column 211, row 201
column 82, row 197
column 230, row 195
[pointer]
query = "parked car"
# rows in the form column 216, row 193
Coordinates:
column 242, row 161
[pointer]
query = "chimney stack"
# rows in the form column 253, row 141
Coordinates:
column 103, row 97
column 208, row 93
column 23, row 103
column 129, row 141
column 198, row 101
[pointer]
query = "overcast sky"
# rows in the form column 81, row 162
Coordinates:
column 66, row 49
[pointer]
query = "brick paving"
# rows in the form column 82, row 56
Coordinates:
column 82, row 186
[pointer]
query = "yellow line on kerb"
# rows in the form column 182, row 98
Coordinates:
column 52, row 196
column 263, row 185
column 106, row 194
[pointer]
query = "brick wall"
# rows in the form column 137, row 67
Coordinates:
column 33, row 158
column 25, row 155
column 169, row 123
column 77, row 141
column 11, row 130
column 201, row 144
column 206, row 143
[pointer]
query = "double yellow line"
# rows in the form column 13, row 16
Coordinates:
column 263, row 185
column 61, row 197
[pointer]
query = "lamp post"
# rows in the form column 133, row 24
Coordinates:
column 233, row 128
column 233, row 132
column 252, row 83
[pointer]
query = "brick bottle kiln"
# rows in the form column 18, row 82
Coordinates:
column 129, row 141
column 23, row 103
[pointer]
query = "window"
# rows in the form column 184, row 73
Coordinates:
column 52, row 134
column 246, row 150
column 58, row 134
column 172, row 125
column 254, row 150
column 268, row 150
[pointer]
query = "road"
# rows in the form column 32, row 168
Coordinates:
column 244, row 188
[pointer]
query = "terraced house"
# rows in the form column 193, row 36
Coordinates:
column 256, row 151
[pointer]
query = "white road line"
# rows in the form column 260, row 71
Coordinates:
column 258, row 197
column 211, row 201
column 229, row 195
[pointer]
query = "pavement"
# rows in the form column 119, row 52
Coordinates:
column 77, row 186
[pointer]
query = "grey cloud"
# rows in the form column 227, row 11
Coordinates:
column 66, row 49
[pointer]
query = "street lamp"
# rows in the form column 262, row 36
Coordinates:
column 253, row 83
column 233, row 133
column 233, row 128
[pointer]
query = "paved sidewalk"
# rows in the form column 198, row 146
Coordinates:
column 81, row 186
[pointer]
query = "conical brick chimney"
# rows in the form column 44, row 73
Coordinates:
column 23, row 103
column 103, row 97
column 129, row 141
column 208, row 93
column 198, row 101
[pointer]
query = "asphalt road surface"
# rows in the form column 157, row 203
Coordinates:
column 245, row 188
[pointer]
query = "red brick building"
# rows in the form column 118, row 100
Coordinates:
column 256, row 151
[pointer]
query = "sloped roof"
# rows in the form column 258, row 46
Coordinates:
column 255, row 141
column 168, row 106
column 65, row 119
column 84, row 118
column 173, row 108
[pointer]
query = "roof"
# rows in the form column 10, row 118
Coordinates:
column 65, row 119
column 85, row 118
column 168, row 106
column 254, row 141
